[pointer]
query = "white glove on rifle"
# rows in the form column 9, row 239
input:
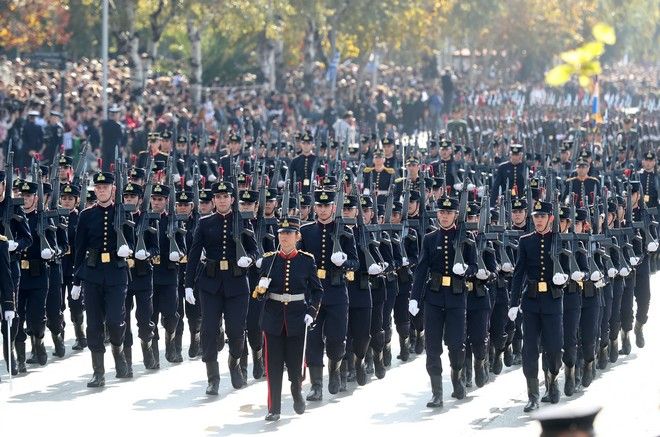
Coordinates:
column 507, row 268
column 142, row 254
column 9, row 316
column 577, row 276
column 175, row 257
column 482, row 274
column 470, row 187
column 559, row 278
column 190, row 297
column 404, row 261
column 308, row 320
column 202, row 257
column 123, row 251
column 459, row 269
column 12, row 245
column 375, row 269
column 47, row 253
column 244, row 262
column 611, row 272
column 634, row 260
column 264, row 283
column 458, row 186
column 75, row 292
column 338, row 258
column 652, row 246
column 625, row 271
column 258, row 262
column 413, row 308
column 513, row 313
column 596, row 276
column 600, row 284
column 280, row 184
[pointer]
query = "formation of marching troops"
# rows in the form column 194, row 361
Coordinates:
column 288, row 259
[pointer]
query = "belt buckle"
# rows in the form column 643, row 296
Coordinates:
column 286, row 298
column 542, row 287
column 350, row 276
column 130, row 262
column 321, row 273
column 25, row 264
column 446, row 281
column 306, row 182
column 469, row 286
column 224, row 265
column 105, row 257
column 156, row 260
column 183, row 260
column 647, row 198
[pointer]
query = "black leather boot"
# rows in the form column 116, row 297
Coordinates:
column 98, row 378
column 532, row 395
column 379, row 365
column 587, row 373
column 272, row 417
column 404, row 346
column 193, row 349
column 169, row 347
column 625, row 343
column 360, row 372
column 578, row 372
column 639, row 334
column 40, row 350
column 235, row 372
column 569, row 383
column 32, row 359
column 508, row 355
column 412, row 339
column 121, row 367
column 148, row 355
column 546, row 383
column 213, row 377
column 156, row 353
column 457, row 383
column 350, row 368
column 243, row 364
column 20, row 356
column 614, row 350
column 467, row 370
column 128, row 354
column 257, row 363
column 480, row 376
column 343, row 374
column 369, row 361
column 10, row 360
column 316, row 378
column 221, row 339
column 58, row 344
column 496, row 368
column 436, row 389
column 603, row 357
column 554, row 388
column 299, row 404
column 387, row 355
column 419, row 343
column 177, row 356
column 81, row 340
column 517, row 352
column 333, row 376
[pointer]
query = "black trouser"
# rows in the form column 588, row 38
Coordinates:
column 615, row 318
column 377, row 332
column 498, row 320
column 234, row 310
column 477, row 331
column 546, row 330
column 571, row 322
column 281, row 350
column 143, row 313
column 31, row 309
column 588, row 333
column 104, row 303
column 54, row 316
column 329, row 332
column 165, row 305
column 192, row 312
column 76, row 307
column 605, row 315
column 643, row 291
column 388, row 307
column 254, row 315
column 359, row 331
column 448, row 324
column 627, row 301
column 401, row 314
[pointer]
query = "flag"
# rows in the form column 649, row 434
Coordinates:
column 595, row 107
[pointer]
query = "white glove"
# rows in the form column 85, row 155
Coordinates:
column 123, row 251
column 75, row 292
column 625, row 271
column 366, row 191
column 264, row 283
column 481, row 190
column 47, row 253
column 577, row 276
column 652, row 246
column 258, row 262
column 244, row 262
column 507, row 268
column 190, row 297
column 459, row 269
column 202, row 257
column 596, row 276
column 482, row 274
column 611, row 272
column 413, row 307
column 12, row 245
column 458, row 186
column 338, row 258
column 212, row 178
column 189, row 183
column 634, row 260
column 375, row 269
column 404, row 261
column 600, row 284
column 175, row 257
column 142, row 254
column 471, row 187
column 559, row 278
column 280, row 184
column 513, row 313
column 9, row 316
column 308, row 320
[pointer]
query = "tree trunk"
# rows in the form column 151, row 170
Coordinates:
column 267, row 60
column 196, row 68
column 309, row 55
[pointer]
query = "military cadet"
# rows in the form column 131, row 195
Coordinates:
column 332, row 320
column 388, row 153
column 223, row 284
column 137, row 176
column 53, row 136
column 140, row 288
column 445, row 167
column 417, row 333
column 22, row 239
column 305, row 207
column 617, row 279
column 101, row 272
column 69, row 200
column 114, row 135
column 379, row 177
column 582, row 186
column 159, row 148
column 498, row 318
column 7, row 304
column 166, row 275
column 205, row 202
column 228, row 162
column 510, row 175
column 541, row 303
column 33, row 287
column 412, row 173
column 303, row 165
column 441, row 289
column 648, row 178
column 291, row 287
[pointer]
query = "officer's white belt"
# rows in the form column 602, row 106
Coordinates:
column 286, row 298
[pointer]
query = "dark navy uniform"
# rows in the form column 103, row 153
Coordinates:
column 588, row 187
column 76, row 307
column 514, row 174
column 54, row 302
column 7, row 302
column 378, row 180
column 405, row 279
column 303, row 167
column 192, row 312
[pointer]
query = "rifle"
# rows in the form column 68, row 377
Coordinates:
column 83, row 192
column 144, row 223
column 43, row 217
column 365, row 230
column 485, row 234
column 463, row 226
column 81, row 165
column 557, row 245
column 238, row 229
column 121, row 209
column 173, row 219
column 263, row 222
column 10, row 202
column 340, row 222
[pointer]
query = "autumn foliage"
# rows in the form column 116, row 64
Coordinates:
column 31, row 24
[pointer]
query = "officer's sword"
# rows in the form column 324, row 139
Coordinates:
column 9, row 347
column 302, row 365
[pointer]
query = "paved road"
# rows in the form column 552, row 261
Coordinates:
column 172, row 400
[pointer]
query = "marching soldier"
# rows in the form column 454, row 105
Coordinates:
column 446, row 166
column 582, row 186
column 379, row 177
column 7, row 305
column 510, row 175
column 303, row 165
column 291, row 287
column 101, row 272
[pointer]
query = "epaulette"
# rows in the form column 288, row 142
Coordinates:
column 160, row 152
column 3, row 238
column 267, row 254
column 305, row 253
column 594, row 178
column 390, row 170
column 397, row 180
column 207, row 216
column 368, row 169
column 570, row 179
column 89, row 207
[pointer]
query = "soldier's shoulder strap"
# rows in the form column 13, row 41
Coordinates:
column 390, row 170
column 368, row 170
column 267, row 254
column 306, row 253
column 399, row 180
column 3, row 238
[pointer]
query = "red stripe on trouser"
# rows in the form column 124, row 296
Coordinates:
column 266, row 365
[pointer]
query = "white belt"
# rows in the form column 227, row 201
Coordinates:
column 286, row 298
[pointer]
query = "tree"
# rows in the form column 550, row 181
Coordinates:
column 31, row 24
